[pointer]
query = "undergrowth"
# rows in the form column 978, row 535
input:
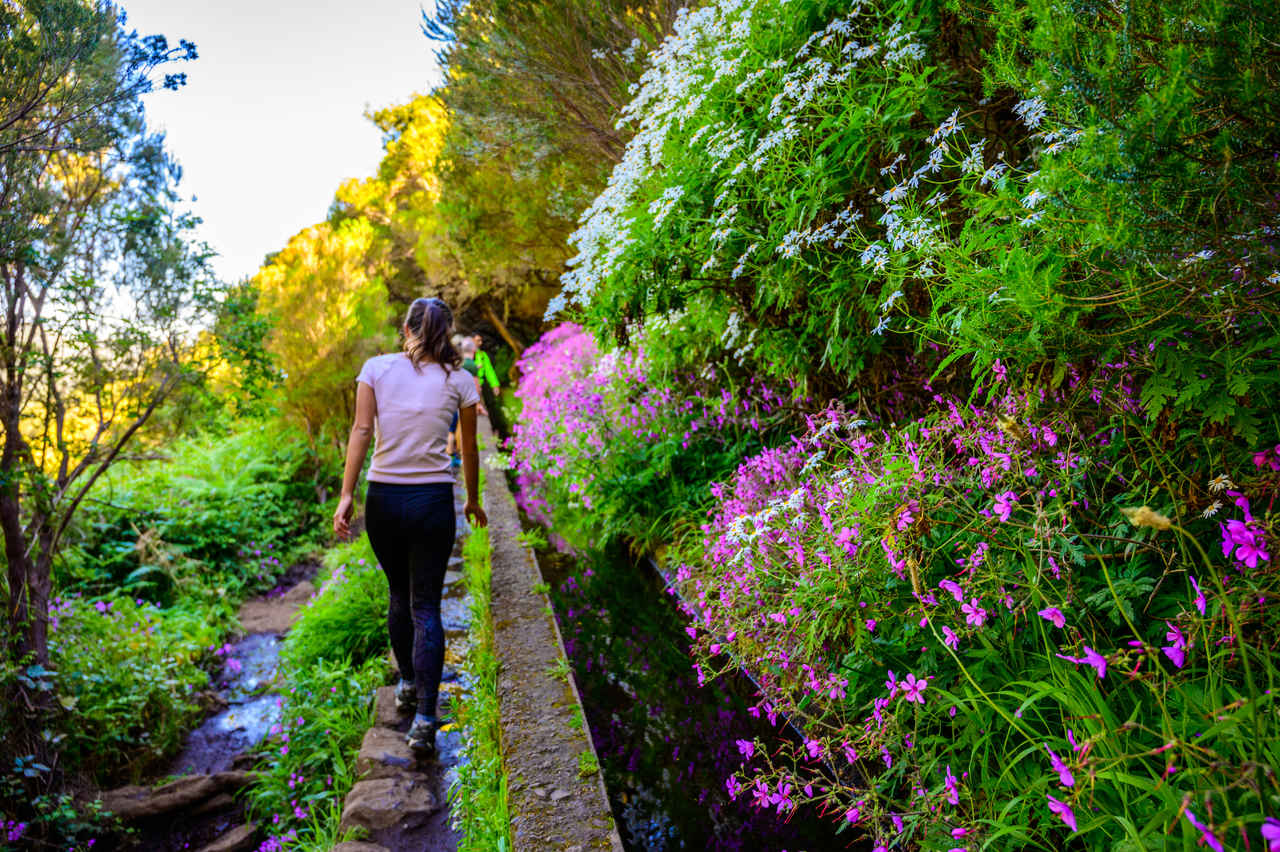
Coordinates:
column 478, row 798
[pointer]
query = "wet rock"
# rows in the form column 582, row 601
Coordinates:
column 383, row 802
column 132, row 802
column 384, row 705
column 557, row 795
column 211, row 702
column 384, row 754
column 238, row 839
column 220, row 802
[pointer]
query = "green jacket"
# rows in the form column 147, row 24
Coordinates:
column 486, row 370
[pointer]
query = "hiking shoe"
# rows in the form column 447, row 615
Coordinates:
column 406, row 697
column 422, row 735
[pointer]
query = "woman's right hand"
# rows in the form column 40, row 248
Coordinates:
column 342, row 516
column 475, row 514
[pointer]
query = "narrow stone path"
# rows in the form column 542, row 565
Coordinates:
column 557, row 796
column 400, row 800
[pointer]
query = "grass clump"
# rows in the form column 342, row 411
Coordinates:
column 479, row 796
column 332, row 661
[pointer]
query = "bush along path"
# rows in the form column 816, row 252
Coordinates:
column 399, row 802
column 199, row 809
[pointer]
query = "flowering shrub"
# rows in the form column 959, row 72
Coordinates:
column 125, row 678
column 978, row 645
column 606, row 447
column 816, row 182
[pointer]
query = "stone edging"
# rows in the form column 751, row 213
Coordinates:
column 552, row 807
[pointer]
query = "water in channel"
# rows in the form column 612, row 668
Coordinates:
column 666, row 745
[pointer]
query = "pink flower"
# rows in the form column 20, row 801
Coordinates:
column 1176, row 651
column 1004, row 505
column 1271, row 833
column 949, row 637
column 954, row 588
column 892, row 684
column 1063, row 810
column 952, row 787
column 974, row 614
column 1055, row 615
column 913, row 687
column 1208, row 837
column 1200, row 601
column 746, row 748
column 1064, row 772
column 1091, row 657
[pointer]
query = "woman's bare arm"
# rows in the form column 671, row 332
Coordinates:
column 357, row 449
column 471, row 466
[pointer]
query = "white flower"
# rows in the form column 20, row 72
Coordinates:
column 1211, row 509
column 1031, row 111
column 1033, row 198
column 972, row 163
column 951, row 125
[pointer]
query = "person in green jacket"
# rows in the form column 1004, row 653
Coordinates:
column 489, row 386
column 485, row 373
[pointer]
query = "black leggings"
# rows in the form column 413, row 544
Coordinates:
column 411, row 529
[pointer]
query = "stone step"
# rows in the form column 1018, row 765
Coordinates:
column 238, row 839
column 402, row 802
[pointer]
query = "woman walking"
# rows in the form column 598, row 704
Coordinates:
column 407, row 401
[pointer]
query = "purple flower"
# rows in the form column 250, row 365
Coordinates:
column 913, row 687
column 1063, row 810
column 892, row 684
column 1200, row 601
column 746, row 748
column 1064, row 772
column 1208, row 837
column 974, row 613
column 1248, row 543
column 949, row 637
column 1091, row 657
column 954, row 588
column 1055, row 615
column 1004, row 505
column 1176, row 651
column 782, row 798
column 953, row 789
column 1271, row 833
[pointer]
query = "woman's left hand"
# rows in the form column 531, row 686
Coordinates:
column 342, row 516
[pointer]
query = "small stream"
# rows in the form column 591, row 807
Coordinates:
column 248, row 666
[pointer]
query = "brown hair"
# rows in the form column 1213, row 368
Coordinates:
column 426, row 334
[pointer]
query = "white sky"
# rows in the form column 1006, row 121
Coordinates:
column 271, row 120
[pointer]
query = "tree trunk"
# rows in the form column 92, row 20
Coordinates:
column 492, row 317
column 29, row 586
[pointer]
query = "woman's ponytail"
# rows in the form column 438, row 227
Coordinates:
column 426, row 334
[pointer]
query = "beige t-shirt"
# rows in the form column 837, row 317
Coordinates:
column 415, row 408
